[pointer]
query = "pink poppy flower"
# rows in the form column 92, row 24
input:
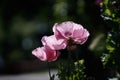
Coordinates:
column 46, row 54
column 71, row 31
column 53, row 43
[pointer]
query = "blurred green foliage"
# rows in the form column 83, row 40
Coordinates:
column 110, row 12
column 71, row 71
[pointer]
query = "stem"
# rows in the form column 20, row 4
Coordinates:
column 70, row 61
column 49, row 70
column 78, row 65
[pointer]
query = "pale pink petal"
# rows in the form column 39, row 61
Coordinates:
column 64, row 29
column 70, row 30
column 40, row 53
column 46, row 54
column 60, row 44
column 77, row 26
column 53, row 43
column 48, row 41
column 54, row 27
column 80, row 36
column 57, row 32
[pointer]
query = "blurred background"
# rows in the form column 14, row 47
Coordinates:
column 23, row 23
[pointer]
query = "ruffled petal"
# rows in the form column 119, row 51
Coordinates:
column 52, row 55
column 80, row 35
column 40, row 53
column 63, row 30
column 46, row 54
column 53, row 43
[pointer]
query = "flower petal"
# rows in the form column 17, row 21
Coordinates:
column 70, row 30
column 52, row 55
column 40, row 53
column 80, row 36
column 46, row 54
column 53, row 43
column 64, row 29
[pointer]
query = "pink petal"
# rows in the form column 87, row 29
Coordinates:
column 80, row 36
column 57, row 33
column 40, row 53
column 68, row 29
column 52, row 55
column 53, row 43
column 64, row 29
column 49, row 41
column 77, row 26
column 46, row 54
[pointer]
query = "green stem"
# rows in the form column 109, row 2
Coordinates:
column 70, row 61
column 49, row 70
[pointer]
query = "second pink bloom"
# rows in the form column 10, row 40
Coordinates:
column 70, row 30
column 53, row 43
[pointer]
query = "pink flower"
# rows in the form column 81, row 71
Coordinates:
column 53, row 43
column 46, row 54
column 65, row 34
column 71, row 31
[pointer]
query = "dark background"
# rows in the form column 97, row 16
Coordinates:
column 23, row 23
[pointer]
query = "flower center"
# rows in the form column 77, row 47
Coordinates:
column 68, row 34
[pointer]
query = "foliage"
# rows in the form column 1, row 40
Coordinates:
column 71, row 70
column 110, row 13
column 110, row 10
